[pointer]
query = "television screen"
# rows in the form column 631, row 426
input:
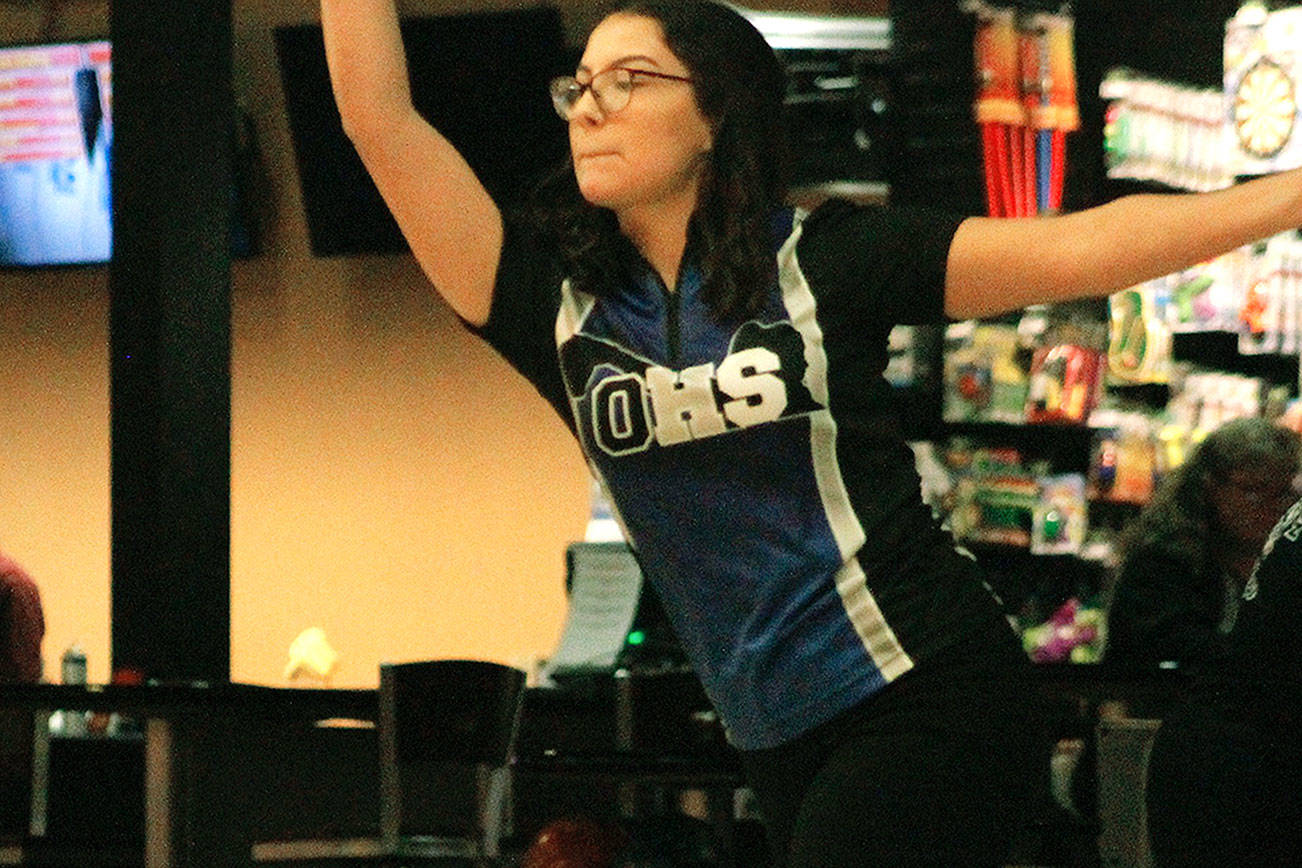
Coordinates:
column 56, row 133
column 480, row 79
column 56, row 141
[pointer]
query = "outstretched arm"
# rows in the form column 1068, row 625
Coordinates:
column 452, row 224
column 1000, row 265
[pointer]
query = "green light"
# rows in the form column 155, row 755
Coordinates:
column 637, row 637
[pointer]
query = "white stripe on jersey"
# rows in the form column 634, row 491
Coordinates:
column 861, row 608
column 879, row 640
column 575, row 308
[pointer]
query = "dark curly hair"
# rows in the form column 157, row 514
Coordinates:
column 739, row 85
column 1181, row 520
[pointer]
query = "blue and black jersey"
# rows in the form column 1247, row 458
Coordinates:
column 756, row 465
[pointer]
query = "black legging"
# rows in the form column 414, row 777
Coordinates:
column 936, row 770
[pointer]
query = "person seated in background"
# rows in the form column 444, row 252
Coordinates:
column 22, row 625
column 1225, row 774
column 1186, row 558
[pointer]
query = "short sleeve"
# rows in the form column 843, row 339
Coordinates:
column 887, row 263
column 521, row 320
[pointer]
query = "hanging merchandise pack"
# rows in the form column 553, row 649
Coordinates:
column 1165, row 132
column 1263, row 76
column 1025, row 106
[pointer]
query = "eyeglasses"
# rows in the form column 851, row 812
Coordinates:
column 1248, row 490
column 611, row 88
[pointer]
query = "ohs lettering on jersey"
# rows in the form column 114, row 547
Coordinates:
column 629, row 403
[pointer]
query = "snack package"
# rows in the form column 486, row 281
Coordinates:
column 1065, row 384
column 1059, row 521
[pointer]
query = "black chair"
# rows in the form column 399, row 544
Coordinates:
column 1125, row 745
column 447, row 733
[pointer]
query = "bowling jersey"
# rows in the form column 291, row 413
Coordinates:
column 756, row 464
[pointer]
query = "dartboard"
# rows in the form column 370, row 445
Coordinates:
column 1265, row 106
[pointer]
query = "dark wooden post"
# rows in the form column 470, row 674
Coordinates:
column 170, row 338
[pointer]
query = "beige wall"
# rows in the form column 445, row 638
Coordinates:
column 392, row 480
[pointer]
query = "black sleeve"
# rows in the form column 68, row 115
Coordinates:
column 522, row 319
column 887, row 263
column 1162, row 611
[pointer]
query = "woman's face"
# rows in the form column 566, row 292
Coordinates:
column 1249, row 502
column 654, row 149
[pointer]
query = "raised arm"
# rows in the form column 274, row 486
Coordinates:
column 452, row 224
column 1000, row 265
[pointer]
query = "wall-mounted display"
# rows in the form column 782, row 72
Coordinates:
column 56, row 134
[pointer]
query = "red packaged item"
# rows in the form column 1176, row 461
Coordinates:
column 1065, row 383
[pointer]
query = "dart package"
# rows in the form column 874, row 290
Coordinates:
column 1263, row 75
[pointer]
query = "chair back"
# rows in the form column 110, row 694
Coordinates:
column 447, row 732
column 1125, row 745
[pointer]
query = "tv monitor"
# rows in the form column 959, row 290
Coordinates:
column 56, row 143
column 56, row 134
column 480, row 79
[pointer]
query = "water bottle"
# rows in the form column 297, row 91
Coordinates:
column 72, row 670
column 73, row 665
